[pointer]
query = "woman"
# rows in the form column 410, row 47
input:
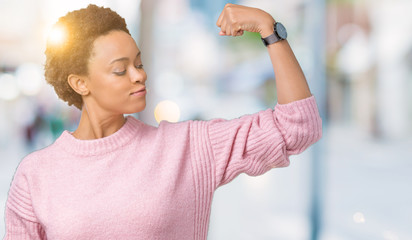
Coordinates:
column 119, row 178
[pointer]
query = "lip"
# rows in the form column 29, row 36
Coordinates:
column 139, row 92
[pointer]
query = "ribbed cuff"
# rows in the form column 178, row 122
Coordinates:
column 300, row 124
column 18, row 228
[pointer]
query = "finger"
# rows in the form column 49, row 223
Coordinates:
column 235, row 30
column 223, row 27
column 228, row 30
column 232, row 31
column 240, row 32
column 219, row 20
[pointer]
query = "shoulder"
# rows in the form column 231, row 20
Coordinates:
column 23, row 173
column 174, row 127
column 35, row 160
column 164, row 127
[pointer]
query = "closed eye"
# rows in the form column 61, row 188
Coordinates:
column 120, row 73
column 124, row 72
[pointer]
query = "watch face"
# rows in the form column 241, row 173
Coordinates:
column 281, row 30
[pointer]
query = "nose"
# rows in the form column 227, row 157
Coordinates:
column 138, row 75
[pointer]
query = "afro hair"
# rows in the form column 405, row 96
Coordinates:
column 71, row 54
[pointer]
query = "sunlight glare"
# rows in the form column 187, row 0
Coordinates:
column 57, row 35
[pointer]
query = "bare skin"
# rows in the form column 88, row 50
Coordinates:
column 290, row 80
column 107, row 90
column 115, row 72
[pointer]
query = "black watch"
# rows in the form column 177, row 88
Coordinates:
column 279, row 33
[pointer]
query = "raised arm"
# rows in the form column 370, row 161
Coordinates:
column 290, row 80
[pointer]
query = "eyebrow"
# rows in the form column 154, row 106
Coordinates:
column 123, row 58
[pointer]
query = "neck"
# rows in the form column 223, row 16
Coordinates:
column 93, row 125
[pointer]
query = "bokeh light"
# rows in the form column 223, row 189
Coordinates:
column 358, row 217
column 29, row 78
column 8, row 87
column 360, row 60
column 167, row 110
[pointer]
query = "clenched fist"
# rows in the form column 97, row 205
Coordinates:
column 235, row 19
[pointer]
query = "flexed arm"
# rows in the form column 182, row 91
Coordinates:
column 290, row 80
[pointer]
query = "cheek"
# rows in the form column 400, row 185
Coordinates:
column 107, row 88
column 103, row 82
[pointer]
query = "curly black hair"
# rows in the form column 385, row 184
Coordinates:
column 71, row 55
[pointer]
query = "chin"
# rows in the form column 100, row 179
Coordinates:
column 135, row 109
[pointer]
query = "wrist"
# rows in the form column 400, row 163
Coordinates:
column 279, row 33
column 267, row 29
column 266, row 32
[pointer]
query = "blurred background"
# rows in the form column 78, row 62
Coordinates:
column 357, row 56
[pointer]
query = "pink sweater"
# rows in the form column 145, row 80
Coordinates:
column 145, row 182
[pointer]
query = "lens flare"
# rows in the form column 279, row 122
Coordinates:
column 57, row 35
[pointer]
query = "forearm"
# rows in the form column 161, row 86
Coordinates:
column 291, row 83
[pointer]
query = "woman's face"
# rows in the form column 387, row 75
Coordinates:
column 115, row 75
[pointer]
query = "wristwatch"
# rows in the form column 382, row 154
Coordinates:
column 279, row 33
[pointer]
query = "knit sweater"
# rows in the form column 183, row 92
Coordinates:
column 146, row 182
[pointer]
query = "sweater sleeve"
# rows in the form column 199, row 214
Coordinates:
column 18, row 228
column 256, row 143
column 21, row 222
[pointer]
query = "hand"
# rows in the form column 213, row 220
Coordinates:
column 235, row 19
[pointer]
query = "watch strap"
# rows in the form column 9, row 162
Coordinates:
column 270, row 39
column 279, row 33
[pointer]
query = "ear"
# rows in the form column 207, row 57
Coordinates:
column 78, row 84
